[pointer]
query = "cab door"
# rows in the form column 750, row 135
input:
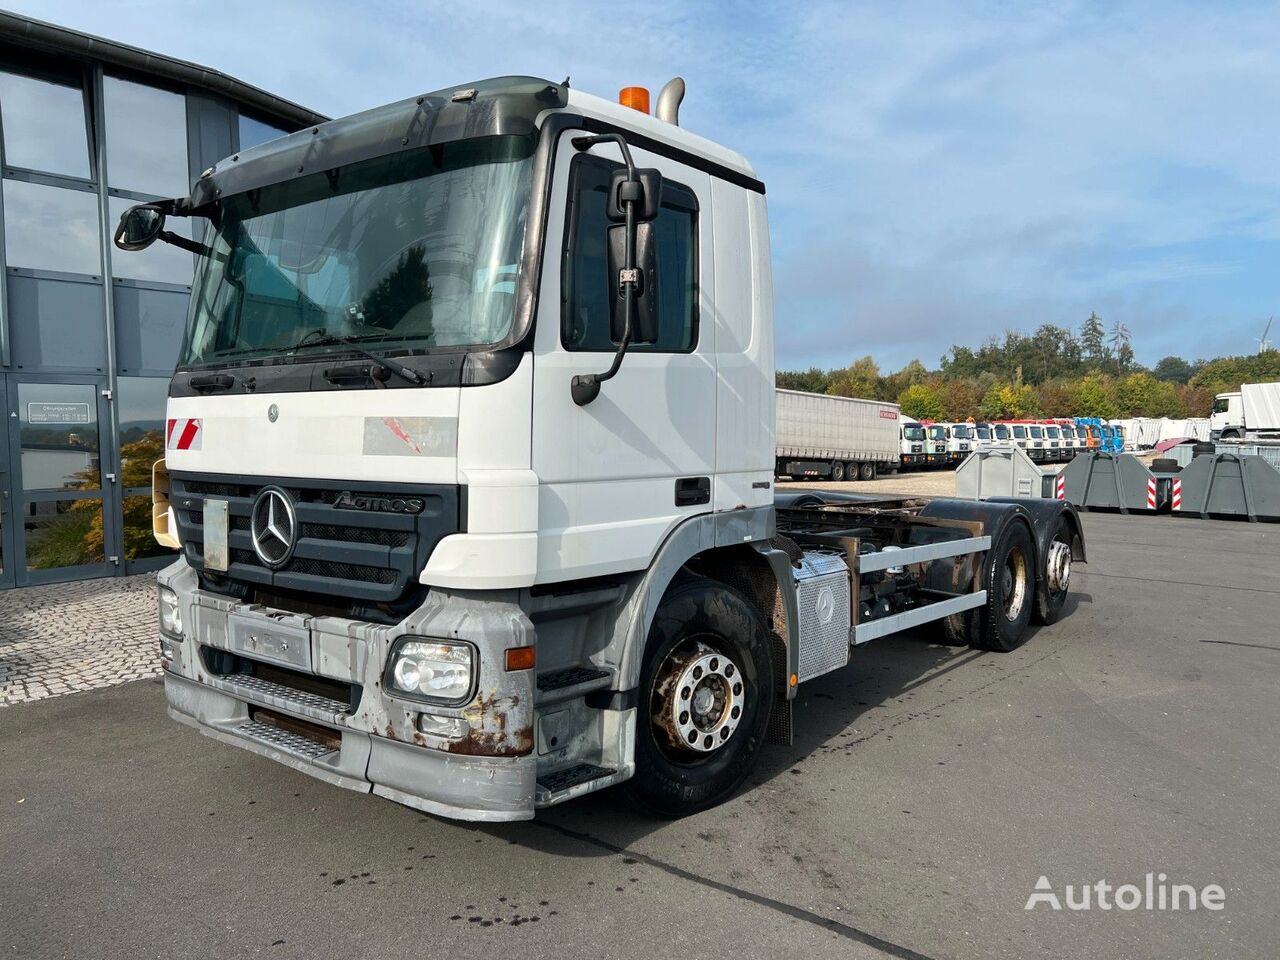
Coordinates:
column 615, row 476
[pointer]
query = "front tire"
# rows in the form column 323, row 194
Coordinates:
column 1011, row 585
column 706, row 686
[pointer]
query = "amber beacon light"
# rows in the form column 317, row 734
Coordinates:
column 637, row 98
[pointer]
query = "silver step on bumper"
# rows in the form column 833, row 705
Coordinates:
column 457, row 786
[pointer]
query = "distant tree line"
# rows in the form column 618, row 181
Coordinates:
column 1053, row 372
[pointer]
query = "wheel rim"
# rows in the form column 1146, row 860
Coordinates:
column 699, row 696
column 1058, row 566
column 1014, row 584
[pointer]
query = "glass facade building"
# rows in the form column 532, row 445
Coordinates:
column 88, row 334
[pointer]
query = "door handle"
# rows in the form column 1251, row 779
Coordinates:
column 691, row 491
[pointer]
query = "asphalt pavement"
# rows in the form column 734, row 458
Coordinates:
column 928, row 789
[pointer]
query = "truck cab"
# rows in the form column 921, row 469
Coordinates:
column 1226, row 421
column 936, row 437
column 912, row 440
column 1037, row 445
column 470, row 459
column 1052, row 442
column 961, row 439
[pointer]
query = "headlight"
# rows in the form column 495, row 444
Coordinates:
column 170, row 614
column 431, row 669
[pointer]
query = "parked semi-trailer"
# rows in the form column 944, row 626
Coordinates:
column 470, row 457
column 836, row 438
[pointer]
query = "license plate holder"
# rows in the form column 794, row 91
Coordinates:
column 285, row 641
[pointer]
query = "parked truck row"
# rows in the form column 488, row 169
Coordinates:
column 842, row 438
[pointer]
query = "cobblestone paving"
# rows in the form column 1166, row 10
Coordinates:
column 68, row 637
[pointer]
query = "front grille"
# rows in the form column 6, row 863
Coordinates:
column 354, row 554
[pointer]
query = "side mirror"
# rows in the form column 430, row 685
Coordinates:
column 644, row 303
column 646, row 190
column 140, row 226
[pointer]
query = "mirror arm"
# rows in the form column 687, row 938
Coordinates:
column 585, row 387
column 191, row 246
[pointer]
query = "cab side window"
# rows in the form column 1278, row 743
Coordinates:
column 585, row 282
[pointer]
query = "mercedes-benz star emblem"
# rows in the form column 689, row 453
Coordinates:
column 273, row 413
column 273, row 526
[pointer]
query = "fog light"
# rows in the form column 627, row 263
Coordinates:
column 431, row 669
column 170, row 614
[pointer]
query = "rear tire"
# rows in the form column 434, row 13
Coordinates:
column 1011, row 585
column 837, row 471
column 1055, row 574
column 866, row 471
column 685, row 759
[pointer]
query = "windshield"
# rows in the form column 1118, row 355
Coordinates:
column 1002, row 432
column 1020, row 433
column 1037, row 432
column 984, row 433
column 937, row 433
column 961, row 432
column 1082, row 433
column 414, row 250
column 913, row 432
column 1051, row 433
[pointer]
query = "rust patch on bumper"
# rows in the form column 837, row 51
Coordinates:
column 496, row 727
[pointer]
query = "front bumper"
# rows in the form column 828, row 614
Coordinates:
column 485, row 769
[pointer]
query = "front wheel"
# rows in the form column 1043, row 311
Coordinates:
column 705, row 690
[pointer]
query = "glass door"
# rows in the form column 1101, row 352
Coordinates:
column 7, row 547
column 60, row 479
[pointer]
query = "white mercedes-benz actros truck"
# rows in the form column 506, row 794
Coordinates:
column 470, row 455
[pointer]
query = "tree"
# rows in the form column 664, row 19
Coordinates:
column 1174, row 370
column 1093, row 342
column 921, row 403
column 860, row 379
column 892, row 385
column 1010, row 402
column 813, row 380
column 960, row 398
column 1091, row 397
column 1120, row 347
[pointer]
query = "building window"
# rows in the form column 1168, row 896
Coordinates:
column 51, row 228
column 141, row 414
column 587, row 294
column 254, row 132
column 161, row 262
column 146, row 139
column 44, row 126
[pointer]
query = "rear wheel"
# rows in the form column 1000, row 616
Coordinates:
column 705, row 691
column 1055, row 576
column 867, row 471
column 837, row 470
column 1002, row 624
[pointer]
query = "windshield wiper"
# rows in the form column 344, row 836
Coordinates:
column 320, row 338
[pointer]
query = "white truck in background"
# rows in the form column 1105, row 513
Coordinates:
column 470, row 458
column 834, row 438
column 1251, row 413
column 911, row 444
column 961, row 441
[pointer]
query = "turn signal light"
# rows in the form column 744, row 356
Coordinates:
column 637, row 98
column 519, row 658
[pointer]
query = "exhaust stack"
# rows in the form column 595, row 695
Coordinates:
column 669, row 101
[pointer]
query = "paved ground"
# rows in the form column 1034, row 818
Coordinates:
column 69, row 637
column 928, row 788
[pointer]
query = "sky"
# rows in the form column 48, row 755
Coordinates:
column 936, row 173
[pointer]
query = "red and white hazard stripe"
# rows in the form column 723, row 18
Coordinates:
column 183, row 433
column 1151, row 493
column 1061, row 487
column 1177, row 494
